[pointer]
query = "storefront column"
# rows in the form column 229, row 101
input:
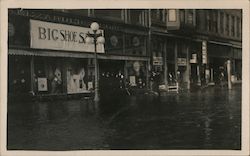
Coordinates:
column 175, row 58
column 198, row 74
column 229, row 74
column 165, row 72
column 64, row 75
column 147, row 74
column 126, row 70
column 188, row 67
column 32, row 78
column 212, row 75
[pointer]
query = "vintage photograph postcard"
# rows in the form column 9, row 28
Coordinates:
column 124, row 77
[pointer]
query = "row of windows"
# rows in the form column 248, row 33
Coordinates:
column 220, row 22
column 133, row 16
column 211, row 20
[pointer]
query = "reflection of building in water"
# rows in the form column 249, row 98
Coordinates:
column 207, row 130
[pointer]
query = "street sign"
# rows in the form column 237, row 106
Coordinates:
column 157, row 61
column 194, row 58
column 204, row 52
column 181, row 61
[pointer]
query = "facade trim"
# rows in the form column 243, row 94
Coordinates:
column 73, row 55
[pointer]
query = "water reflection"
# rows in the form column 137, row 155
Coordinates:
column 207, row 119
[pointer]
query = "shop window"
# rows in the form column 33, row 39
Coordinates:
column 77, row 79
column 109, row 13
column 181, row 51
column 114, row 42
column 137, row 73
column 158, row 48
column 135, row 45
column 19, row 75
column 48, row 75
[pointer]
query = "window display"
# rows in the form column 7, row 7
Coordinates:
column 137, row 73
column 48, row 75
column 19, row 77
column 76, row 77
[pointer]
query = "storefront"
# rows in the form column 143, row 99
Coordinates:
column 219, row 54
column 47, row 58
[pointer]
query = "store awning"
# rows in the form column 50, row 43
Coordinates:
column 225, row 44
column 73, row 55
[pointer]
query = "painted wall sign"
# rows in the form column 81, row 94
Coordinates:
column 45, row 35
column 53, row 17
column 42, row 84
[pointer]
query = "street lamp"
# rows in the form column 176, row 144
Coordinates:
column 97, row 38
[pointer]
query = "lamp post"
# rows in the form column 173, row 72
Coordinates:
column 97, row 38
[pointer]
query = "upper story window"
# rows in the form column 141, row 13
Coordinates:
column 198, row 21
column 182, row 15
column 115, row 14
column 215, row 21
column 232, row 26
column 172, row 15
column 136, row 16
column 227, row 24
column 221, row 22
column 158, row 15
column 238, row 25
column 190, row 17
column 209, row 20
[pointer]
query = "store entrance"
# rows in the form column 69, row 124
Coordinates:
column 219, row 68
column 111, row 77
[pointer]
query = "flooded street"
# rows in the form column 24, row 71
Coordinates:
column 206, row 119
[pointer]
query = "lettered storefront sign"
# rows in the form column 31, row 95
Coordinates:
column 46, row 35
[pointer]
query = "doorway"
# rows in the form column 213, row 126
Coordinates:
column 111, row 77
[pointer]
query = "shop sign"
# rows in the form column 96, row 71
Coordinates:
column 46, row 35
column 204, row 52
column 42, row 84
column 181, row 61
column 90, row 85
column 157, row 61
column 60, row 19
column 194, row 58
column 132, row 80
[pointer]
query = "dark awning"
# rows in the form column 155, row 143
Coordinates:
column 73, row 54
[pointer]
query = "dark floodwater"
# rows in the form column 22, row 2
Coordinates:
column 207, row 119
